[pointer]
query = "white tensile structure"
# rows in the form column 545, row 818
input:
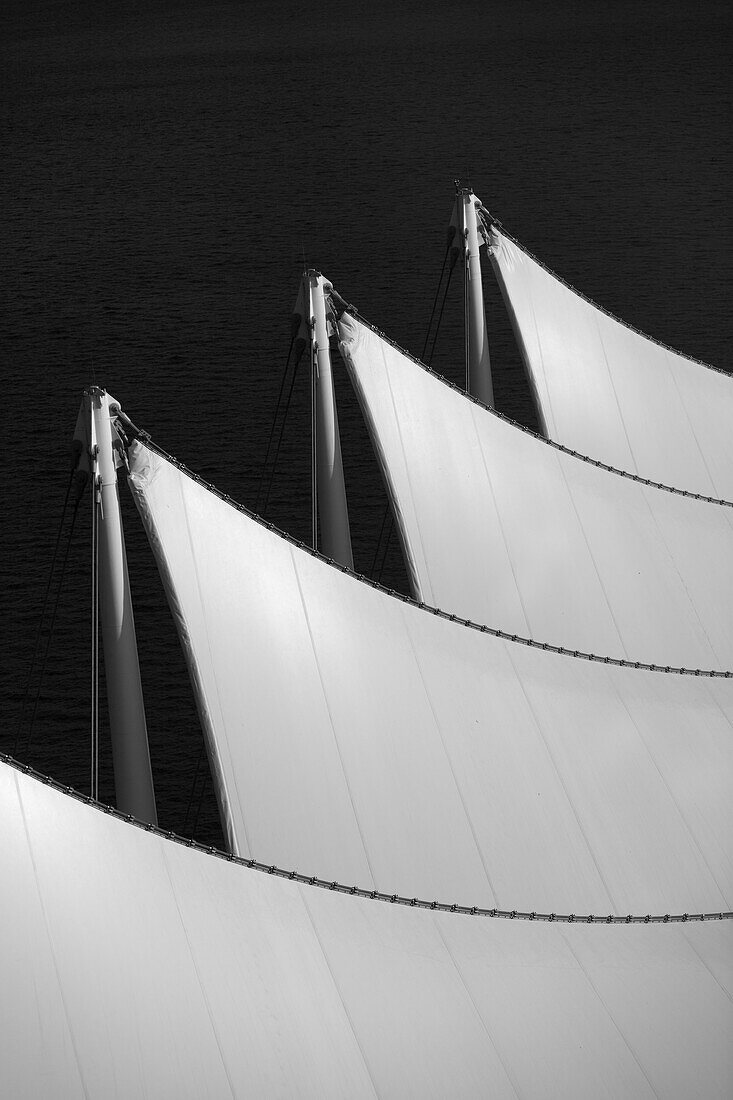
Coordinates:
column 501, row 527
column 359, row 737
column 495, row 868
column 612, row 393
column 134, row 966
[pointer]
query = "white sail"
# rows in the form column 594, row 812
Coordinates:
column 610, row 392
column 367, row 740
column 135, row 966
column 502, row 528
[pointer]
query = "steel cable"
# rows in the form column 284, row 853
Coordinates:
column 435, row 298
column 442, row 307
column 94, row 715
column 378, row 895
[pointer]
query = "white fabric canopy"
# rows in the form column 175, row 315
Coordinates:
column 611, row 393
column 366, row 740
column 134, row 966
column 504, row 529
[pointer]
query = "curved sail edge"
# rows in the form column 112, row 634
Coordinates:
column 500, row 528
column 134, row 965
column 608, row 391
column 366, row 739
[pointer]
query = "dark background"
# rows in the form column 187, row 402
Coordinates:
column 167, row 167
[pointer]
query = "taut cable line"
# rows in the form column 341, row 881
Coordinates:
column 496, row 632
column 454, row 256
column 373, row 573
column 352, row 311
column 435, row 298
column 94, row 716
column 488, row 222
column 379, row 895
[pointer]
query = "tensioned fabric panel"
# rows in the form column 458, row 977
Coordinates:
column 502, row 528
column 610, row 392
column 363, row 739
column 135, row 966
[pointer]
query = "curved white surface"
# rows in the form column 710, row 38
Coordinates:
column 133, row 966
column 363, row 739
column 500, row 528
column 611, row 393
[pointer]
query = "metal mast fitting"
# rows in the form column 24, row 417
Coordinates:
column 329, row 489
column 130, row 752
column 478, row 364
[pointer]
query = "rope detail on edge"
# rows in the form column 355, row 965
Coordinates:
column 371, row 895
column 354, row 312
column 494, row 631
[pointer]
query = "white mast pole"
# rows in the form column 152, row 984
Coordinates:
column 130, row 752
column 478, row 363
column 332, row 508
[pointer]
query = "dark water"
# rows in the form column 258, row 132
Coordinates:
column 166, row 171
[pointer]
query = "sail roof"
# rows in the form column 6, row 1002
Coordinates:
column 133, row 965
column 500, row 527
column 357, row 736
column 608, row 391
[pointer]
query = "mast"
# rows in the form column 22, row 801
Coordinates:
column 478, row 364
column 130, row 752
column 329, row 490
